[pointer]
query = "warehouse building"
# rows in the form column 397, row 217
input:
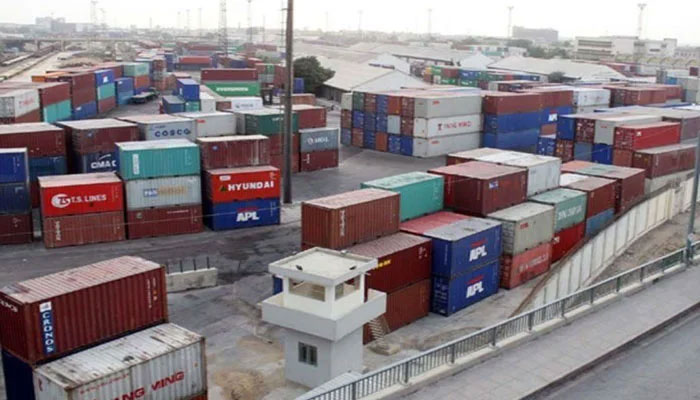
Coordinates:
column 609, row 47
column 572, row 70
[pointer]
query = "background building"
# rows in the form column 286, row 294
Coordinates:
column 536, row 35
column 609, row 47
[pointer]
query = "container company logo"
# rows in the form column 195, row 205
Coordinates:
column 317, row 140
column 534, row 262
column 570, row 212
column 140, row 392
column 9, row 306
column 171, row 132
column 237, row 187
column 454, row 125
column 62, row 200
column 47, row 328
column 475, row 286
column 165, row 191
column 247, row 214
column 104, row 161
column 552, row 117
column 478, row 250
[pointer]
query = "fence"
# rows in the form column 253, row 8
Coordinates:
column 402, row 372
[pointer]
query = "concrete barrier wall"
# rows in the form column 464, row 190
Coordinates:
column 188, row 280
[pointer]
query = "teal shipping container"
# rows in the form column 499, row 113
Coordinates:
column 106, row 91
column 136, row 69
column 420, row 193
column 569, row 206
column 156, row 159
column 192, row 106
column 60, row 111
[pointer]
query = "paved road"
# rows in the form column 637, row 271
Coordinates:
column 664, row 367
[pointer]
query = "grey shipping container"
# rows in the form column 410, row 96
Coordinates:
column 525, row 226
column 319, row 139
column 432, row 106
column 605, row 127
column 163, row 192
column 569, row 206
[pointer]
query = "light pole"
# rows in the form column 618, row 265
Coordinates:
column 288, row 104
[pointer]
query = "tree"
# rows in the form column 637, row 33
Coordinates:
column 313, row 73
column 556, row 77
column 524, row 43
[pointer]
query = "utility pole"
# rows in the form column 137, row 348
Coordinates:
column 179, row 20
column 327, row 25
column 288, row 105
column 430, row 23
column 359, row 22
column 693, row 203
column 640, row 22
column 263, row 29
column 250, row 21
column 509, row 34
column 200, row 22
column 223, row 30
column 150, row 23
column 187, row 27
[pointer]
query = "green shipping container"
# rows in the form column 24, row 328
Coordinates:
column 358, row 101
column 234, row 88
column 569, row 206
column 156, row 159
column 106, row 91
column 468, row 83
column 449, row 81
column 420, row 193
column 192, row 106
column 57, row 112
column 136, row 69
column 268, row 121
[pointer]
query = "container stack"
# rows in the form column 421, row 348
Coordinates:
column 162, row 126
column 159, row 74
column 587, row 100
column 193, row 63
column 188, row 91
column 556, row 101
column 512, row 121
column 691, row 88
column 266, row 74
column 81, row 209
column 600, row 201
column 270, row 122
column 569, row 218
column 232, row 82
column 19, row 105
column 54, row 98
column 15, row 200
column 140, row 72
column 124, row 90
column 83, row 93
column 105, row 90
column 163, row 187
column 211, row 124
column 318, row 144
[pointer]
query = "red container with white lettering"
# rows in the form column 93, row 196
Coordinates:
column 520, row 268
column 80, row 194
column 567, row 239
column 240, row 184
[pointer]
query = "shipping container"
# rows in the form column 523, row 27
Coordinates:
column 443, row 145
column 664, row 160
column 566, row 127
column 345, row 219
column 17, row 102
column 622, row 158
column 57, row 112
column 566, row 240
column 481, row 188
column 234, row 88
column 80, row 194
column 641, row 137
column 276, row 143
column 602, row 153
column 518, row 269
column 15, row 198
column 318, row 160
column 318, row 139
column 163, row 192
column 506, row 123
column 407, row 145
column 393, row 124
column 164, row 221
column 212, row 124
column 402, row 260
column 229, row 74
column 310, row 116
column 510, row 103
column 421, row 193
column 471, row 155
column 543, row 171
column 157, row 159
column 277, row 161
column 96, row 162
column 583, row 151
column 165, row 362
column 173, row 105
column 163, row 126
column 599, row 221
column 99, row 135
column 455, row 293
column 406, row 305
column 564, row 149
column 124, row 85
column 84, row 111
column 81, row 229
column 265, row 121
column 242, row 214
column 234, row 151
column 16, row 229
column 14, row 165
column 238, row 184
column 600, row 191
column 188, row 89
column 525, row 226
column 629, row 183
column 245, row 103
column 569, row 206
column 605, row 126
column 393, row 143
column 420, row 226
column 522, row 140
column 40, row 139
column 446, row 126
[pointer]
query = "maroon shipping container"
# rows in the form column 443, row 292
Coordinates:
column 573, row 167
column 694, row 71
column 277, row 145
column 106, row 105
column 32, row 116
column 480, row 188
column 303, row 98
column 142, row 81
column 402, row 260
column 99, row 135
column 510, row 103
column 567, row 239
column 405, row 306
column 643, row 96
column 229, row 74
column 585, row 130
column 394, row 105
column 370, row 102
column 622, row 158
column 346, row 119
column 564, row 149
column 407, row 126
column 310, row 116
column 639, row 137
column 317, row 160
column 80, row 80
column 520, row 268
column 553, row 98
column 83, row 96
column 52, row 93
column 76, row 230
column 408, row 107
column 277, row 161
column 346, row 219
column 421, row 225
column 234, row 151
column 601, row 193
column 164, row 221
column 686, row 157
column 16, row 229
column 54, row 315
column 664, row 160
column 40, row 139
column 357, row 137
column 629, row 186
column 381, row 141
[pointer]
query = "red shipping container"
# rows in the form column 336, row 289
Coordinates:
column 567, row 239
column 76, row 230
column 402, row 260
column 79, row 80
column 629, row 186
column 573, row 167
column 234, row 151
column 424, row 224
column 40, row 139
column 106, row 105
column 83, row 96
column 54, row 315
column 370, row 102
column 510, row 103
column 229, row 74
column 302, row 98
column 518, row 269
column 408, row 107
column 644, row 96
column 194, row 60
column 277, row 161
column 381, row 141
column 239, row 184
column 346, row 219
column 310, row 116
column 16, row 229
column 639, row 137
column 49, row 93
column 80, row 194
column 30, row 117
column 480, row 188
column 661, row 161
column 622, row 158
column 141, row 82
column 407, row 126
column 564, row 149
column 99, row 135
column 405, row 306
column 553, row 98
column 601, row 194
column 357, row 137
column 277, row 145
column 686, row 158
column 164, row 221
column 346, row 119
column 585, row 130
column 318, row 160
column 394, row 105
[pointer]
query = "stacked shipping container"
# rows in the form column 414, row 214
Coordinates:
column 232, row 82
column 93, row 143
column 15, row 200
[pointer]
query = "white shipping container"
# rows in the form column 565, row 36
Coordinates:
column 568, row 179
column 590, row 109
column 163, row 192
column 393, row 124
column 450, row 105
column 543, row 172
column 346, row 101
column 445, row 144
column 212, row 124
column 591, row 97
column 245, row 103
column 165, row 362
column 525, row 226
column 691, row 96
column 689, row 83
column 428, row 128
column 163, row 126
column 207, row 103
column 18, row 102
column 605, row 127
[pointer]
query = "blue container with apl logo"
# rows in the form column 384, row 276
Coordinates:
column 85, row 111
column 566, row 127
column 47, row 166
column 188, row 89
column 14, row 198
column 124, row 85
column 452, row 294
column 358, row 119
column 346, row 137
column 104, row 77
column 463, row 245
column 394, row 144
column 512, row 140
column 546, row 145
column 382, row 124
column 14, row 165
column 242, row 214
column 599, row 221
column 368, row 140
column 551, row 115
column 512, row 122
column 382, row 105
column 583, row 151
column 406, row 145
column 370, row 121
column 97, row 162
column 602, row 154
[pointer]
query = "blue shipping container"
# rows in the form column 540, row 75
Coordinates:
column 394, row 144
column 173, row 104
column 299, row 85
column 358, row 119
column 468, row 75
column 602, row 153
column 512, row 140
column 463, row 245
column 370, row 122
column 19, row 378
column 85, row 111
column 368, row 140
column 276, row 285
column 242, row 214
column 512, row 122
column 453, row 294
column 546, row 145
column 14, row 198
column 97, row 162
column 124, row 97
column 188, row 89
column 597, row 222
column 124, row 85
column 382, row 104
column 103, row 77
column 406, row 145
column 46, row 166
column 382, row 123
column 346, row 137
column 566, row 127
column 551, row 115
column 583, row 151
column 14, row 165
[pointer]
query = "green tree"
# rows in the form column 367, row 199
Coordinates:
column 524, row 43
column 556, row 77
column 313, row 73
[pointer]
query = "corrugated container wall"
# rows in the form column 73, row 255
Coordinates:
column 569, row 206
column 525, row 226
column 518, row 269
column 140, row 160
column 234, row 151
column 451, row 294
column 163, row 192
column 421, row 193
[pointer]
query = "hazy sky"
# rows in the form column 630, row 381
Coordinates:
column 668, row 18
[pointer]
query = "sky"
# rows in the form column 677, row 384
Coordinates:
column 668, row 18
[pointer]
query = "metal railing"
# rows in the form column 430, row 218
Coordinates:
column 401, row 372
column 188, row 264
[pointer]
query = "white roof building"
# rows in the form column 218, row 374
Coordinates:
column 571, row 69
column 351, row 76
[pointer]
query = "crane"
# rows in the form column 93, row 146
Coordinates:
column 223, row 30
column 640, row 23
column 250, row 21
column 509, row 34
column 93, row 13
